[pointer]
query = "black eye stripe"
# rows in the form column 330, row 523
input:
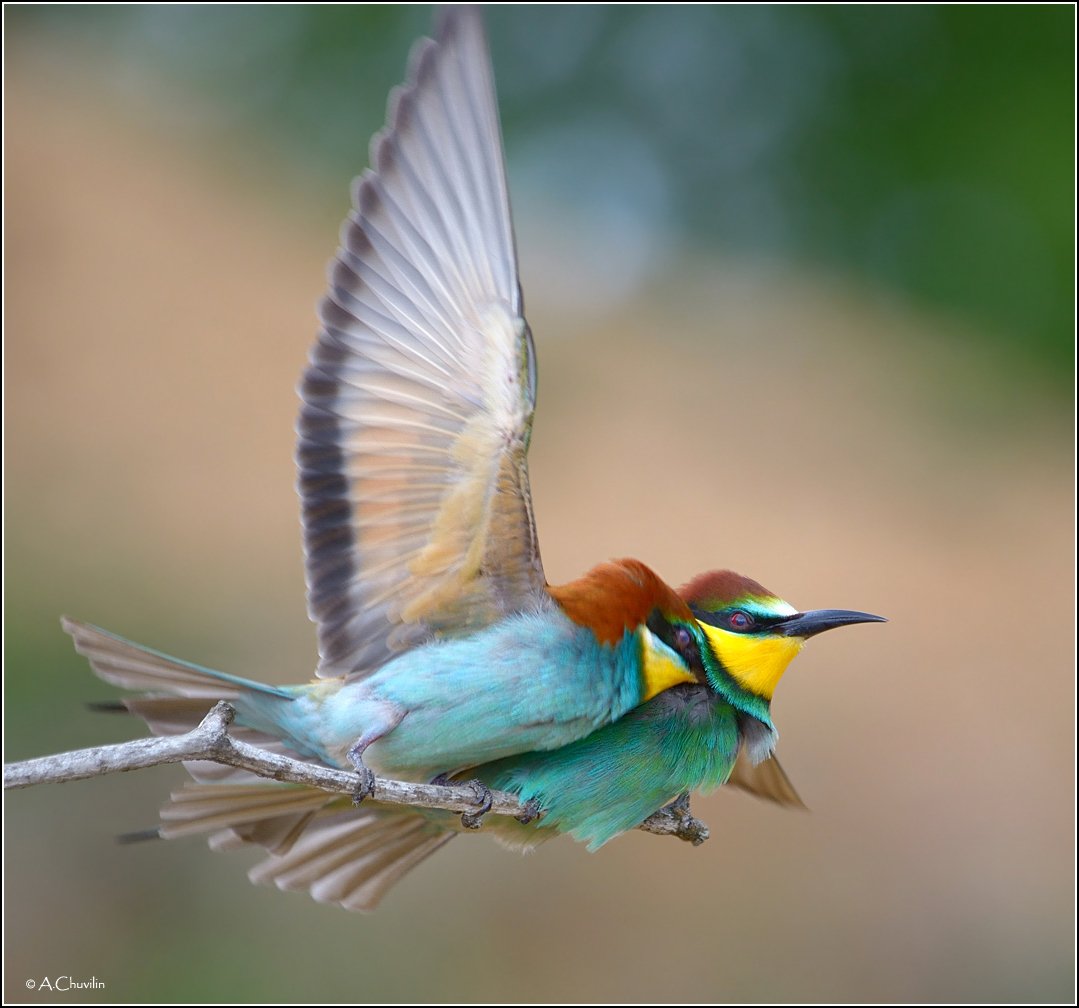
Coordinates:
column 721, row 618
column 677, row 637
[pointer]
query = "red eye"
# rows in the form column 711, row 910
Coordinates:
column 740, row 621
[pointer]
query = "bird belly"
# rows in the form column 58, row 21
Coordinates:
column 685, row 739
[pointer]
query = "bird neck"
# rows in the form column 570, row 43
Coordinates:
column 738, row 696
column 615, row 600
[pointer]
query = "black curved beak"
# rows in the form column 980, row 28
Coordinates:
column 809, row 624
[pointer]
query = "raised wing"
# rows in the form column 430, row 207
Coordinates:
column 418, row 401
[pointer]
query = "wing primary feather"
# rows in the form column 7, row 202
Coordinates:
column 417, row 403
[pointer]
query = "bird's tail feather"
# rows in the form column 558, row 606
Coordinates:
column 193, row 688
column 317, row 842
column 354, row 858
column 136, row 667
column 206, row 808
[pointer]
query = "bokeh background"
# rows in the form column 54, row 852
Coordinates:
column 802, row 286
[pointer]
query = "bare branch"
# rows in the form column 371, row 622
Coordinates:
column 211, row 741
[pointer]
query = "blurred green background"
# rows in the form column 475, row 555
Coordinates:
column 801, row 281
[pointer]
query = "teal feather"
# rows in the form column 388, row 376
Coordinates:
column 685, row 739
column 530, row 682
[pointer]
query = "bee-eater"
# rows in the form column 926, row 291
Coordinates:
column 443, row 650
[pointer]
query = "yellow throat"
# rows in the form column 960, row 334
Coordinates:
column 756, row 663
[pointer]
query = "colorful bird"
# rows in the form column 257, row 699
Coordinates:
column 443, row 650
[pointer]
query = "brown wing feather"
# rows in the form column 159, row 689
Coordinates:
column 419, row 397
column 766, row 780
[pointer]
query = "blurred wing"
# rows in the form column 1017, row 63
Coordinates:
column 418, row 401
column 766, row 780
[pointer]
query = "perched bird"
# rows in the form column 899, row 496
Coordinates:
column 443, row 650
column 569, row 660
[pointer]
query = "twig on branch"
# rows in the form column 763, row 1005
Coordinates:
column 211, row 741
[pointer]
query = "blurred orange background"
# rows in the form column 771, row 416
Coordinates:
column 845, row 446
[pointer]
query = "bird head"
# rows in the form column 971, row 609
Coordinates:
column 625, row 597
column 753, row 634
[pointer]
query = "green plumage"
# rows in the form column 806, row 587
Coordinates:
column 685, row 739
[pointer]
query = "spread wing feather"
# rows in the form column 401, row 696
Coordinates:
column 418, row 400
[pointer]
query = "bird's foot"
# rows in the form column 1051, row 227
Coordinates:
column 532, row 811
column 484, row 800
column 365, row 788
